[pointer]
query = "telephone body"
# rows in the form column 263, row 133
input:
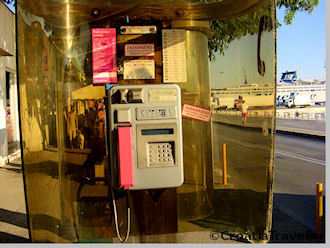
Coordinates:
column 145, row 136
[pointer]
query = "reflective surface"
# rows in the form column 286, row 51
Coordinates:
column 63, row 127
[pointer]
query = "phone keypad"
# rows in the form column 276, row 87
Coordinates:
column 160, row 154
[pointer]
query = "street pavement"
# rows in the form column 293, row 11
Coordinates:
column 315, row 127
column 299, row 165
column 309, row 127
column 13, row 224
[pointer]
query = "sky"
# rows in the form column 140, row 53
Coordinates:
column 11, row 7
column 301, row 46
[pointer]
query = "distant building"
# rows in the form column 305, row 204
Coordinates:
column 9, row 127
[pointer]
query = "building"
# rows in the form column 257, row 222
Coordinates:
column 9, row 126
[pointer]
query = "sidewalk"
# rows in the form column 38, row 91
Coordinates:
column 302, row 127
column 13, row 222
column 311, row 127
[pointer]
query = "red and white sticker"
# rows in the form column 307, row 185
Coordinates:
column 196, row 113
column 139, row 50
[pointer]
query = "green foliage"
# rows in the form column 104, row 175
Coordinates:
column 225, row 31
column 292, row 6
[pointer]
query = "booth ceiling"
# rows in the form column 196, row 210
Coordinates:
column 53, row 11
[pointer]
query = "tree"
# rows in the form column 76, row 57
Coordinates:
column 225, row 31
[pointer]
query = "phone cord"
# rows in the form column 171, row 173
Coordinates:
column 122, row 240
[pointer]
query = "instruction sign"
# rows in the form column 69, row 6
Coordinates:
column 139, row 50
column 138, row 29
column 104, row 55
column 197, row 113
column 139, row 69
column 174, row 56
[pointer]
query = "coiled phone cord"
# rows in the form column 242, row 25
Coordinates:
column 122, row 240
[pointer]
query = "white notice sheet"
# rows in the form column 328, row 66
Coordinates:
column 139, row 69
column 174, row 56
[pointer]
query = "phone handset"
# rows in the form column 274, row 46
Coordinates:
column 263, row 22
column 125, row 163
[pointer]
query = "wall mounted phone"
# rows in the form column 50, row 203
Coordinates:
column 145, row 136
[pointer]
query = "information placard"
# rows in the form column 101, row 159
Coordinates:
column 196, row 113
column 104, row 56
column 136, row 50
column 139, row 69
column 174, row 56
column 138, row 29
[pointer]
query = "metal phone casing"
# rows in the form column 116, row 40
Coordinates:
column 154, row 113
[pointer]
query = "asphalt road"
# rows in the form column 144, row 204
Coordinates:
column 299, row 164
column 299, row 160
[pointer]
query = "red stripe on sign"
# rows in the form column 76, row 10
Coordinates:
column 197, row 113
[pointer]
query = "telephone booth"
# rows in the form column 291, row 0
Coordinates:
column 147, row 121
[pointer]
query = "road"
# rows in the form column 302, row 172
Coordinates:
column 299, row 165
column 311, row 127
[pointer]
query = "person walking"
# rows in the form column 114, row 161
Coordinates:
column 244, row 109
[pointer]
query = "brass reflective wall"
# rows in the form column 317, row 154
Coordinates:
column 64, row 137
column 242, row 102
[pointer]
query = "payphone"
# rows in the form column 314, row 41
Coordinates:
column 145, row 136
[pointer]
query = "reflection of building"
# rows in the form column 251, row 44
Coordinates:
column 9, row 134
column 255, row 95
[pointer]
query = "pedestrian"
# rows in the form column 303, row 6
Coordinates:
column 244, row 109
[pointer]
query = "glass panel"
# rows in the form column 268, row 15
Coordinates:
column 64, row 122
column 38, row 77
column 243, row 93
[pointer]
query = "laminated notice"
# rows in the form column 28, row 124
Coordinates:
column 139, row 69
column 196, row 113
column 174, row 56
column 139, row 50
column 104, row 56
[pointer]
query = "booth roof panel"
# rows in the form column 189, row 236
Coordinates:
column 55, row 11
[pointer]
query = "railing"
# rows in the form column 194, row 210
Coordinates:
column 300, row 115
column 290, row 115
